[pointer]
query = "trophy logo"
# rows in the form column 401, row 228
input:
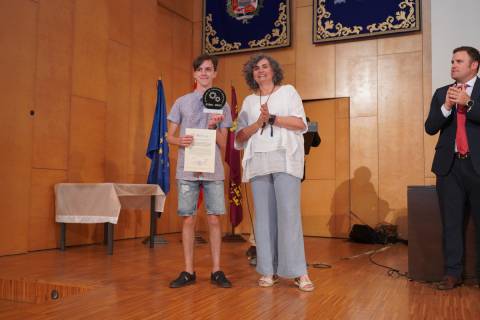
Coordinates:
column 214, row 100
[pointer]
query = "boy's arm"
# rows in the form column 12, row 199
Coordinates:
column 222, row 138
column 183, row 141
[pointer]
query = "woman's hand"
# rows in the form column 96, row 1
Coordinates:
column 264, row 115
column 264, row 112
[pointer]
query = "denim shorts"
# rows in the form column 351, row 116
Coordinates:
column 213, row 196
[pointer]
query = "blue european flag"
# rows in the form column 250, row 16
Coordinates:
column 157, row 149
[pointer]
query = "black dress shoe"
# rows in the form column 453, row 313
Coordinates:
column 251, row 252
column 184, row 279
column 448, row 283
column 220, row 279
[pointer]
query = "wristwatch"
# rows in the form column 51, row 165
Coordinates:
column 470, row 104
column 271, row 119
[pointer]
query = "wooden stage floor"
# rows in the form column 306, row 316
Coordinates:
column 133, row 284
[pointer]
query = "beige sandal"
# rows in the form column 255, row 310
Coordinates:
column 304, row 284
column 268, row 281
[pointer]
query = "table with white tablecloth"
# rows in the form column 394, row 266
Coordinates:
column 102, row 202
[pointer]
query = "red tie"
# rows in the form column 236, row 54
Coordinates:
column 461, row 137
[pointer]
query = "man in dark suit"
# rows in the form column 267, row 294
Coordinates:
column 455, row 112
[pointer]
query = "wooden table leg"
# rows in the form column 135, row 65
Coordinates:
column 105, row 233
column 109, row 238
column 153, row 221
column 63, row 231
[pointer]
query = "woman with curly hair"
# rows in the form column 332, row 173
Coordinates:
column 270, row 131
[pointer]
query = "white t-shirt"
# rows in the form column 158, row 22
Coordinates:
column 280, row 150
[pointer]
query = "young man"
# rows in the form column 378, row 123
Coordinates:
column 455, row 112
column 187, row 112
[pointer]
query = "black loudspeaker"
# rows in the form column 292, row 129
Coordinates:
column 425, row 256
column 363, row 233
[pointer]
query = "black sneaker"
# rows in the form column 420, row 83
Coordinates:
column 184, row 279
column 220, row 280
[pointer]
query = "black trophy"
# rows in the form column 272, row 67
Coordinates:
column 214, row 100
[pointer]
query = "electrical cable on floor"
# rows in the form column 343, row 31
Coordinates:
column 392, row 272
column 320, row 265
column 323, row 265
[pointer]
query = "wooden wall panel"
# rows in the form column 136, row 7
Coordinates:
column 400, row 44
column 120, row 21
column 117, row 112
column 316, row 69
column 43, row 232
column 87, row 141
column 232, row 69
column 400, row 119
column 168, row 74
column 152, row 33
column 53, row 86
column 429, row 141
column 197, row 11
column 182, row 83
column 364, row 169
column 90, row 49
column 320, row 163
column 328, row 171
column 184, row 8
column 317, row 196
column 18, row 31
column 342, row 168
column 289, row 76
column 430, row 181
column 146, row 59
column 284, row 56
column 356, row 76
column 182, row 50
column 117, row 124
column 197, row 36
column 166, row 45
column 303, row 3
column 143, row 99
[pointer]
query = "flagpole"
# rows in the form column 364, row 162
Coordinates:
column 233, row 160
column 157, row 151
column 233, row 237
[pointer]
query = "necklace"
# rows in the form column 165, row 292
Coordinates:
column 260, row 96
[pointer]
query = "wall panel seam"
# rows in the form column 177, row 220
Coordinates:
column 175, row 12
column 119, row 42
column 88, row 98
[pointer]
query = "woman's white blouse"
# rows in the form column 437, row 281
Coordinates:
column 282, row 152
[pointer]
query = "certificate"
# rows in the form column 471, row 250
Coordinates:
column 200, row 155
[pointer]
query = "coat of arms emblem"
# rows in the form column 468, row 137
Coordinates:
column 244, row 10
